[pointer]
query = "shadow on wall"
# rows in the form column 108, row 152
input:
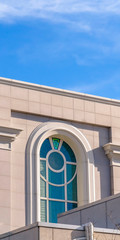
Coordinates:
column 76, row 234
column 102, row 168
column 29, row 117
column 102, row 163
column 26, row 185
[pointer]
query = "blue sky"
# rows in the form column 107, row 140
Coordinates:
column 69, row 44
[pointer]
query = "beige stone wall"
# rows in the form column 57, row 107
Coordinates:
column 97, row 137
column 38, row 232
column 59, row 234
column 90, row 111
column 106, row 236
column 70, row 106
column 5, row 190
column 25, row 106
column 115, row 174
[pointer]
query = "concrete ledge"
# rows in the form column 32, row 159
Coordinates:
column 107, row 230
column 8, row 135
column 61, row 226
column 40, row 224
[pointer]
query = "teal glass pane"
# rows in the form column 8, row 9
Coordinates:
column 56, row 192
column 56, row 178
column 42, row 188
column 68, row 152
column 72, row 190
column 43, row 212
column 56, row 142
column 54, row 209
column 43, row 168
column 70, row 169
column 45, row 148
column 71, row 206
column 56, row 160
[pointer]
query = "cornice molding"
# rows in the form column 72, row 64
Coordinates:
column 58, row 91
column 8, row 135
column 113, row 153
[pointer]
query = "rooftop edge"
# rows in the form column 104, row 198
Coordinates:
column 32, row 86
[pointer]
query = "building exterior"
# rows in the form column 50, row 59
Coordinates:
column 38, row 231
column 58, row 150
column 104, row 213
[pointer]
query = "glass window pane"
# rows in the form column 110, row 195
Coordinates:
column 45, row 148
column 54, row 164
column 56, row 192
column 56, row 142
column 56, row 160
column 43, row 168
column 43, row 212
column 42, row 188
column 71, row 206
column 70, row 171
column 72, row 190
column 55, row 208
column 68, row 153
column 56, row 178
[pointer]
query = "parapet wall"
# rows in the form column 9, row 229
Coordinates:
column 44, row 231
column 104, row 213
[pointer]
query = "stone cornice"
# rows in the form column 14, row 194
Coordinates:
column 8, row 135
column 16, row 83
column 113, row 153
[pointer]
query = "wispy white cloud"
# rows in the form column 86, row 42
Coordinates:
column 55, row 8
column 78, row 15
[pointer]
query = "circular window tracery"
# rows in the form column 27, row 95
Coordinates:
column 58, row 179
column 56, row 161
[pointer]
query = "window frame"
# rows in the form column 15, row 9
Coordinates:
column 84, row 157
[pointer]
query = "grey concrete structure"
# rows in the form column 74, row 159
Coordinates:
column 104, row 213
column 43, row 231
column 31, row 113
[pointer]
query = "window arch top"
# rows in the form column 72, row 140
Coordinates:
column 85, row 164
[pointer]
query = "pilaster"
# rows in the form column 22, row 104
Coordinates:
column 113, row 153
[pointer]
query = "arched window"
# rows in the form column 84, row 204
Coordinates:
column 58, row 179
column 54, row 186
